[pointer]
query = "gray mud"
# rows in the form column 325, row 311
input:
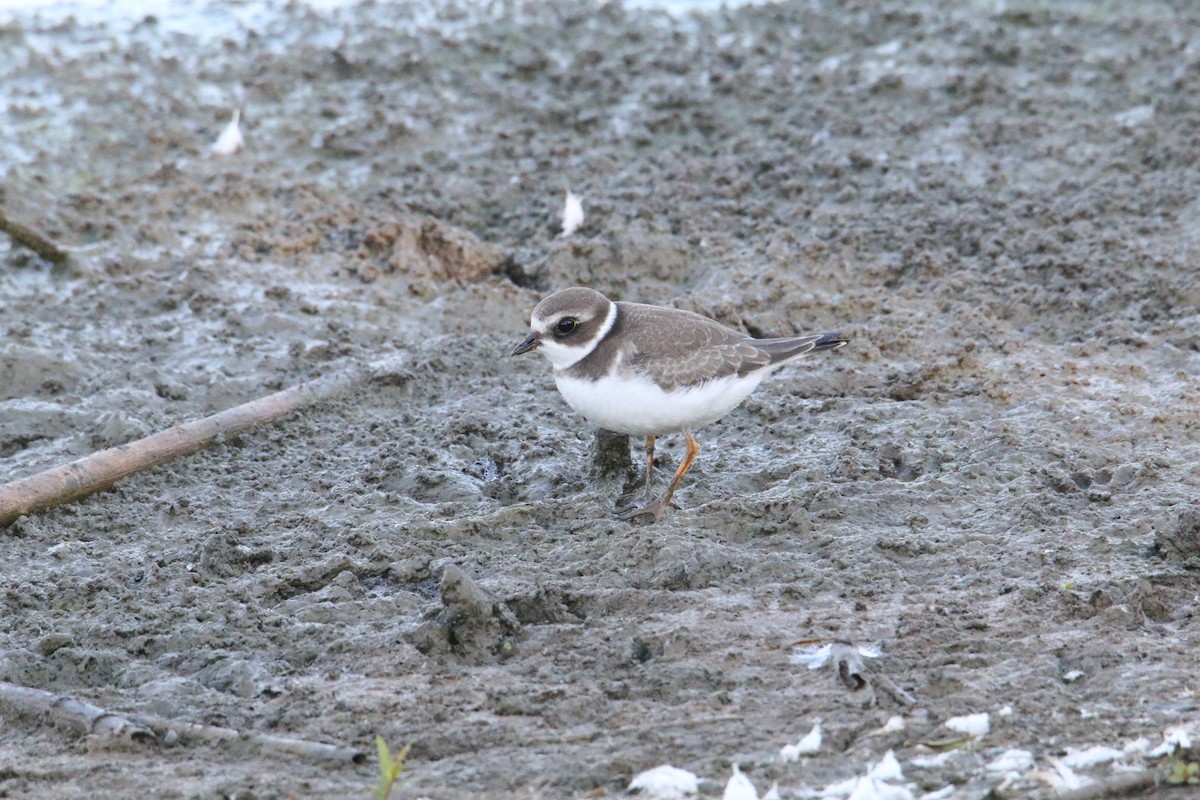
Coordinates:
column 995, row 481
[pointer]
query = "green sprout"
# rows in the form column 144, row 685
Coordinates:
column 1182, row 772
column 390, row 767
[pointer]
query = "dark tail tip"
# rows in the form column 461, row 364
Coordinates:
column 829, row 341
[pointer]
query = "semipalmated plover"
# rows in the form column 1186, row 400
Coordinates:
column 647, row 370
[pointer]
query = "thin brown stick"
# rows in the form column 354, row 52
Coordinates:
column 101, row 470
column 28, row 237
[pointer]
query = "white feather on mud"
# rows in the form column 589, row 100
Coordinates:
column 572, row 214
column 973, row 725
column 935, row 761
column 1061, row 778
column 877, row 784
column 808, row 744
column 1091, row 756
column 1138, row 746
column 739, row 787
column 894, row 724
column 230, row 141
column 864, row 787
column 888, row 768
column 1179, row 737
column 665, row 783
column 817, row 656
column 1010, row 763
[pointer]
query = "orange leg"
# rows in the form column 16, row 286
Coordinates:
column 692, row 449
column 659, row 507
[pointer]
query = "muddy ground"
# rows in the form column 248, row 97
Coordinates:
column 996, row 201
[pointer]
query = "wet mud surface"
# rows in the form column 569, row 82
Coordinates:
column 995, row 481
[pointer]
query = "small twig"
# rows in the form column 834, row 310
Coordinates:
column 101, row 470
column 28, row 237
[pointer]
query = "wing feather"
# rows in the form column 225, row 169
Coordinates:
column 679, row 348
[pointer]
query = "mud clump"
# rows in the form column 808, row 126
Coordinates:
column 425, row 253
column 471, row 624
column 610, row 455
column 1181, row 542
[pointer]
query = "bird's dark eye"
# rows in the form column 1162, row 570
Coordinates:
column 565, row 325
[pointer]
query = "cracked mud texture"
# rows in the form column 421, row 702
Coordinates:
column 996, row 480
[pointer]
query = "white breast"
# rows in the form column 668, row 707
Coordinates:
column 635, row 405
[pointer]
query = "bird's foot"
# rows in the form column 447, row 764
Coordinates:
column 656, row 507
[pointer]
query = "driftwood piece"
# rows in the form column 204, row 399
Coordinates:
column 96, row 721
column 101, row 470
column 28, row 237
column 317, row 751
column 74, row 713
